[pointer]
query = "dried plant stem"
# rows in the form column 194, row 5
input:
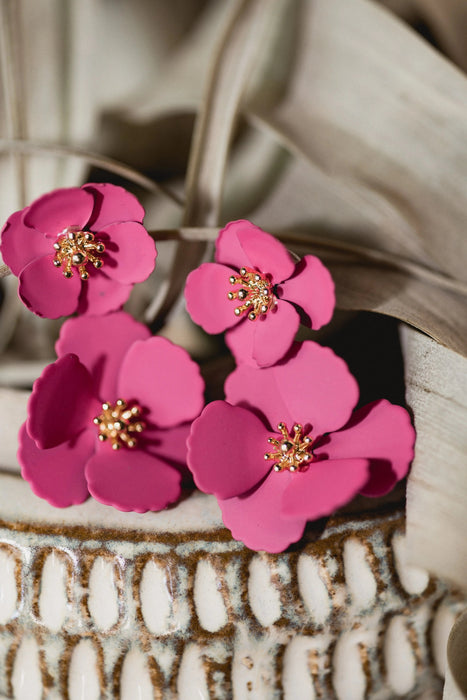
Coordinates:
column 63, row 151
column 230, row 71
column 14, row 94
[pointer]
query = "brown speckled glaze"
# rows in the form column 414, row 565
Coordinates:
column 255, row 637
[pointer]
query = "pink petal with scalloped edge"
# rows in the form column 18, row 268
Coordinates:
column 57, row 474
column 54, row 212
column 226, row 450
column 324, row 487
column 20, row 244
column 131, row 479
column 45, row 290
column 62, row 403
column 164, row 380
column 169, row 444
column 314, row 386
column 312, row 289
column 382, row 433
column 265, row 341
column 206, row 293
column 100, row 294
column 242, row 244
column 256, row 519
column 130, row 252
column 111, row 204
column 101, row 344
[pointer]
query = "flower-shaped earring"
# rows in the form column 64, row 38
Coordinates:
column 285, row 446
column 78, row 249
column 257, row 294
column 114, row 421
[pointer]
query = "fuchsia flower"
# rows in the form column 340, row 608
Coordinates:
column 126, row 451
column 286, row 448
column 258, row 294
column 78, row 249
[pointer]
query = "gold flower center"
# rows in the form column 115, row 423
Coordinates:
column 293, row 451
column 256, row 293
column 119, row 423
column 76, row 249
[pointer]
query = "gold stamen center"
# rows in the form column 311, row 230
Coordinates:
column 76, row 249
column 256, row 293
column 292, row 451
column 119, row 423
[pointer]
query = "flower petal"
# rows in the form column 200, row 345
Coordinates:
column 21, row 244
column 164, row 380
column 62, row 403
column 131, row 480
column 100, row 294
column 57, row 474
column 314, row 386
column 45, row 291
column 130, row 252
column 242, row 244
column 382, row 433
column 206, row 293
column 54, row 212
column 111, row 204
column 265, row 341
column 101, row 344
column 226, row 450
column 324, row 487
column 256, row 519
column 170, row 445
column 312, row 289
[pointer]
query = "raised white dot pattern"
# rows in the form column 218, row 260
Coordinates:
column 53, row 599
column 83, row 675
column 264, row 596
column 399, row 656
column 156, row 599
column 27, row 677
column 103, row 594
column 359, row 577
column 8, row 590
column 209, row 601
column 135, row 682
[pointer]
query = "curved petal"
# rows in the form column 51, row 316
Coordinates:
column 21, row 244
column 164, row 380
column 206, row 293
column 382, row 433
column 226, row 450
column 324, row 487
column 45, row 291
column 131, row 480
column 100, row 294
column 170, row 444
column 111, row 204
column 62, row 403
column 57, row 474
column 265, row 341
column 130, row 252
column 313, row 387
column 312, row 289
column 256, row 519
column 101, row 344
column 242, row 244
column 54, row 212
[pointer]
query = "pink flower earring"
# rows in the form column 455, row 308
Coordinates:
column 286, row 447
column 257, row 294
column 78, row 249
